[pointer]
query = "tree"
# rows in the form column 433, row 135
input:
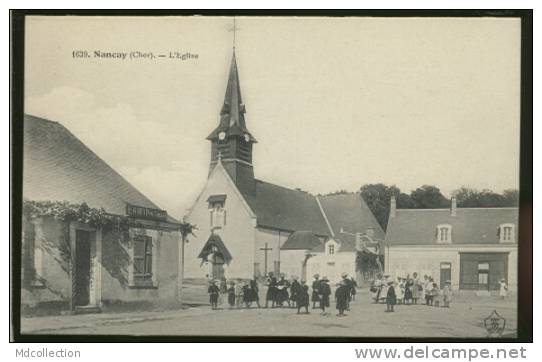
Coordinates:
column 429, row 197
column 378, row 196
column 185, row 229
column 469, row 197
column 511, row 196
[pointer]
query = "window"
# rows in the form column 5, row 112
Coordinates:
column 218, row 215
column 331, row 249
column 444, row 233
column 506, row 233
column 142, row 258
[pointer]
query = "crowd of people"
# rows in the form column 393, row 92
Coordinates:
column 281, row 293
column 410, row 290
column 294, row 293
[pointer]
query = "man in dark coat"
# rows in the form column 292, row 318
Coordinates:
column 391, row 297
column 271, row 294
column 324, row 291
column 303, row 298
column 315, row 284
column 341, row 297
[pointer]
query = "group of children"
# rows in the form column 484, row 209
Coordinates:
column 242, row 292
column 408, row 290
column 279, row 292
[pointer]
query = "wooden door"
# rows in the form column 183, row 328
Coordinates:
column 445, row 273
column 81, row 275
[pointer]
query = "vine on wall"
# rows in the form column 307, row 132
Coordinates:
column 68, row 211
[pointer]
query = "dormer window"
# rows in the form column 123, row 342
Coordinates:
column 444, row 233
column 216, row 211
column 507, row 233
column 331, row 249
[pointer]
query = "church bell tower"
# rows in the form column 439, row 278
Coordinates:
column 231, row 142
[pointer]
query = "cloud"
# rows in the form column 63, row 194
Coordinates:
column 115, row 132
column 172, row 189
column 148, row 154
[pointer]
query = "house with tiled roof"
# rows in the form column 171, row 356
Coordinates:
column 261, row 227
column 474, row 248
column 71, row 259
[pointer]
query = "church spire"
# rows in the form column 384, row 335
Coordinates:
column 232, row 114
column 231, row 142
column 233, row 109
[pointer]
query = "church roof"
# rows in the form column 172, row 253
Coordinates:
column 232, row 115
column 301, row 240
column 350, row 212
column 57, row 166
column 281, row 208
column 469, row 226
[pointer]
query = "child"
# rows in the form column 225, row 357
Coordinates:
column 400, row 290
column 447, row 294
column 231, row 295
column 239, row 293
column 315, row 285
column 504, row 288
column 324, row 291
column 427, row 287
column 435, row 292
column 391, row 297
column 294, row 289
column 213, row 294
column 353, row 290
column 341, row 297
column 303, row 298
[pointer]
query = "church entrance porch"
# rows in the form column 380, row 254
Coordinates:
column 216, row 255
column 217, row 266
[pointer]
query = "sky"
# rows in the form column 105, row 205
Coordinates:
column 334, row 103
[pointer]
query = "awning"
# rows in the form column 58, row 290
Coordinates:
column 216, row 198
column 216, row 241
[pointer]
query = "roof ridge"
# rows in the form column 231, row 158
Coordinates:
column 43, row 119
column 325, row 216
column 463, row 208
column 286, row 188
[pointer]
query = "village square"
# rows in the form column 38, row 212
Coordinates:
column 254, row 258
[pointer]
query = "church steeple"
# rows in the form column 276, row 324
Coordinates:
column 231, row 141
column 232, row 115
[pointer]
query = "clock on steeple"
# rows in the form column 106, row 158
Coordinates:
column 231, row 142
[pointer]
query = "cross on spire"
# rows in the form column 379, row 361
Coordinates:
column 234, row 29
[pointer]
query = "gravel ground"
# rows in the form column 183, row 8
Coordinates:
column 463, row 319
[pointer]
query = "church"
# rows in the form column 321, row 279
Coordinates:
column 243, row 222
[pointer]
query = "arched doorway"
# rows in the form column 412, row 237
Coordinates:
column 216, row 255
column 216, row 259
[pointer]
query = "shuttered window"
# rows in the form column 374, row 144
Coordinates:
column 143, row 256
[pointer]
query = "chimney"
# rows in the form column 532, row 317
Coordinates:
column 393, row 207
column 370, row 232
column 359, row 242
column 453, row 210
